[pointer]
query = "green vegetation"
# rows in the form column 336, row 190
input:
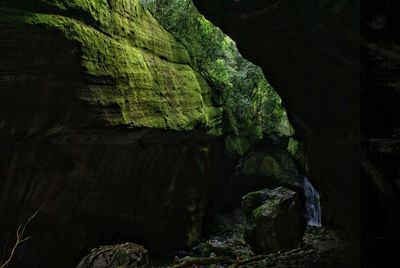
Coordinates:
column 152, row 83
column 251, row 106
column 122, row 41
column 293, row 147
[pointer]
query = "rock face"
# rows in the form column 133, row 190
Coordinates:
column 380, row 155
column 266, row 164
column 274, row 219
column 109, row 57
column 126, row 255
column 104, row 123
column 309, row 51
column 270, row 162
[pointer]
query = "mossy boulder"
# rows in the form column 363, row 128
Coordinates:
column 274, row 219
column 126, row 255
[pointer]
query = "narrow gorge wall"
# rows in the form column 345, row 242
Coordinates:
column 111, row 56
column 106, row 126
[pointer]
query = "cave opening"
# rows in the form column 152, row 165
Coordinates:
column 249, row 101
column 170, row 138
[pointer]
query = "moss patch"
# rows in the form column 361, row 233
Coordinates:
column 150, row 79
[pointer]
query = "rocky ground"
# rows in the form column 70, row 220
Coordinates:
column 226, row 246
column 320, row 247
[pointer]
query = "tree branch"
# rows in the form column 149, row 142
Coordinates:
column 19, row 239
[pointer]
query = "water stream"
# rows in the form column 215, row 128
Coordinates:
column 313, row 207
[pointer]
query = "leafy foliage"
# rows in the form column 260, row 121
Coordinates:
column 252, row 107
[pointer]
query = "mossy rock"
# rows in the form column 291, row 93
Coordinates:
column 274, row 220
column 133, row 72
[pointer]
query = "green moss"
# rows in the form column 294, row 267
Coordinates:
column 153, row 83
column 252, row 109
column 270, row 206
column 265, row 165
column 258, row 212
column 271, row 166
column 293, row 147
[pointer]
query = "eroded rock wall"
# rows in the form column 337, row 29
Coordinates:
column 105, row 126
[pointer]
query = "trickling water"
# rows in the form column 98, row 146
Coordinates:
column 313, row 208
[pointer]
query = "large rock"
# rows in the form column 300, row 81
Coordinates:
column 104, row 119
column 126, row 255
column 274, row 219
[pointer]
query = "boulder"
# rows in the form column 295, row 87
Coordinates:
column 126, row 255
column 274, row 219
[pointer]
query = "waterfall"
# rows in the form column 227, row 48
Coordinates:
column 313, row 208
